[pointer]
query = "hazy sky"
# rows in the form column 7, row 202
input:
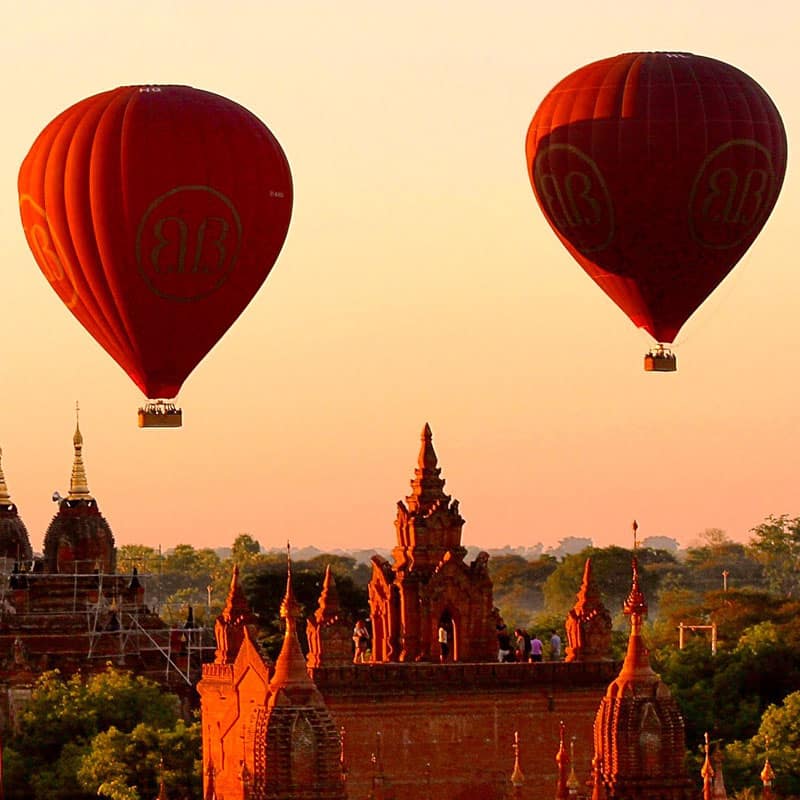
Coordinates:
column 419, row 282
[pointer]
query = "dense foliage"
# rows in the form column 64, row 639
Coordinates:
column 110, row 730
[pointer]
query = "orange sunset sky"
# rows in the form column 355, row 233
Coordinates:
column 419, row 282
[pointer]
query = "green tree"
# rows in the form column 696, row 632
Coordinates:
column 611, row 567
column 705, row 564
column 62, row 718
column 780, row 727
column 244, row 548
column 727, row 693
column 144, row 558
column 519, row 586
column 129, row 766
column 776, row 545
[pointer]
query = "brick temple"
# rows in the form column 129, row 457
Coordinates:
column 70, row 609
column 405, row 725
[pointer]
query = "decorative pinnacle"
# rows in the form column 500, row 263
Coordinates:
column 78, row 486
column 517, row 778
column 767, row 773
column 707, row 771
column 290, row 666
column 635, row 605
column 635, row 530
column 562, row 760
column 427, row 455
column 5, row 497
column 290, row 608
column 427, row 487
column 573, row 784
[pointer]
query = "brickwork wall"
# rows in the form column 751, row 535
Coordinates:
column 447, row 730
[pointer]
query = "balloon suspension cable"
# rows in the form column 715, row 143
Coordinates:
column 660, row 359
column 160, row 414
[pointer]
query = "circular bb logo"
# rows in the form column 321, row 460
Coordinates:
column 575, row 197
column 188, row 242
column 733, row 192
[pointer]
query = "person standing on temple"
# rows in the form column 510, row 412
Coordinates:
column 361, row 642
column 503, row 644
column 555, row 646
column 443, row 644
column 537, row 648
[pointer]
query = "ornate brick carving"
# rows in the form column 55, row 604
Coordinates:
column 429, row 585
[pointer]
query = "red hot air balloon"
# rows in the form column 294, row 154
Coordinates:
column 657, row 171
column 156, row 213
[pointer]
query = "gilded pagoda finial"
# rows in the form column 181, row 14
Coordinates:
column 78, row 485
column 5, row 497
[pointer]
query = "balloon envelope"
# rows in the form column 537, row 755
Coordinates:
column 657, row 171
column 156, row 213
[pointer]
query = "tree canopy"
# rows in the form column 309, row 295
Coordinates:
column 60, row 750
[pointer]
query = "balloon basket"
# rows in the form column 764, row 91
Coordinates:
column 660, row 359
column 160, row 414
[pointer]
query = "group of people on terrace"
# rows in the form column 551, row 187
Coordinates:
column 522, row 646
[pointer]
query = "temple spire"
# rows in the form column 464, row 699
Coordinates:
column 517, row 778
column 427, row 488
column 329, row 605
column 719, row 792
column 637, row 658
column 767, row 776
column 588, row 623
column 562, row 760
column 290, row 666
column 707, row 772
column 5, row 497
column 427, row 455
column 78, row 486
column 573, row 784
column 230, row 624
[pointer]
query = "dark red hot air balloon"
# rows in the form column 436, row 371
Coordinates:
column 657, row 171
column 156, row 213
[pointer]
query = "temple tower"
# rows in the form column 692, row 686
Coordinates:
column 329, row 635
column 638, row 730
column 429, row 585
column 588, row 623
column 265, row 738
column 15, row 546
column 79, row 540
